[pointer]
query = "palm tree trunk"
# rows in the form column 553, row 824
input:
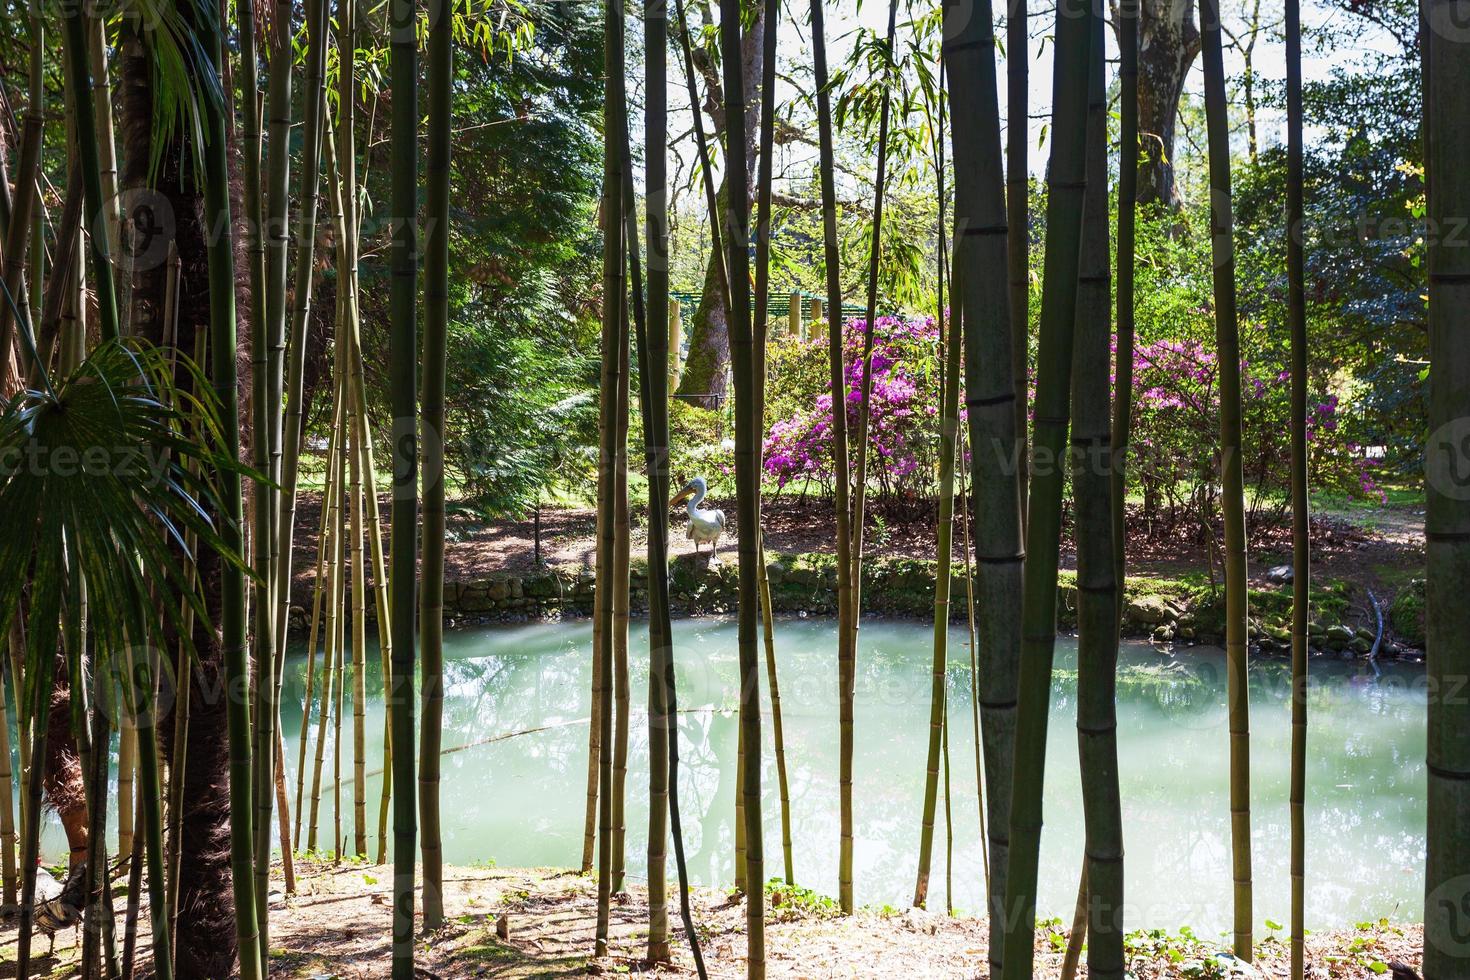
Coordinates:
column 979, row 286
column 222, row 362
column 436, row 331
column 1232, row 482
column 1447, row 520
column 1097, row 586
column 1301, row 516
column 403, row 380
column 1067, row 180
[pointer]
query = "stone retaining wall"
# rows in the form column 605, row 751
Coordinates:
column 1167, row 611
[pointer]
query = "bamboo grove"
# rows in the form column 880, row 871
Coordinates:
column 159, row 612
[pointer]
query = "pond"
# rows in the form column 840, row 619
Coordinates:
column 518, row 799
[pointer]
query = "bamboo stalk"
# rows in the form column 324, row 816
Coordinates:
column 1067, row 180
column 771, row 16
column 1232, row 481
column 1301, row 517
column 846, row 592
column 7, row 805
column 403, row 383
column 232, row 620
column 847, row 658
column 1097, row 585
column 744, row 362
column 949, row 423
column 1018, row 217
column 1447, row 521
column 980, row 290
column 622, row 541
column 436, row 331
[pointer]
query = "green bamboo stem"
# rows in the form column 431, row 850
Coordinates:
column 317, row 13
column 1232, row 480
column 89, row 160
column 1128, row 17
column 745, row 365
column 1301, row 517
column 1018, row 216
column 22, row 203
column 979, row 289
column 620, row 589
column 846, row 590
column 359, row 646
column 436, row 331
column 312, row 632
column 403, row 384
column 1067, row 179
column 847, row 657
column 332, row 540
column 232, row 620
column 7, row 807
column 771, row 17
column 1097, row 585
column 1447, row 519
column 964, row 511
column 614, row 323
column 949, row 423
column 106, row 145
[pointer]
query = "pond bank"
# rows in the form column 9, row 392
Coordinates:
column 524, row 923
column 1183, row 610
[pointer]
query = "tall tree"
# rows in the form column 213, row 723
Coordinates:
column 747, row 477
column 1097, row 584
column 403, row 381
column 1301, row 517
column 1168, row 43
column 981, row 292
column 1447, row 519
column 1128, row 142
column 1232, row 481
column 1066, row 193
column 704, row 379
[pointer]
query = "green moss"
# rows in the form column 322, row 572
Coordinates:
column 1406, row 613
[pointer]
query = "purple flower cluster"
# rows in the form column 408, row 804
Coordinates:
column 901, row 410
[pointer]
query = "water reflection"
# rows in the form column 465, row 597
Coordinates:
column 519, row 798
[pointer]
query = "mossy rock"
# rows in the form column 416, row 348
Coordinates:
column 1406, row 614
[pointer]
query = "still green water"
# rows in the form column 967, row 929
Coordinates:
column 518, row 799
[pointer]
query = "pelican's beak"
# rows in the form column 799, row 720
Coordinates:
column 682, row 495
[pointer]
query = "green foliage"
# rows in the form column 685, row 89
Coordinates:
column 96, row 485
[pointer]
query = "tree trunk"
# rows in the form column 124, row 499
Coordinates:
column 1168, row 42
column 205, row 940
column 705, row 371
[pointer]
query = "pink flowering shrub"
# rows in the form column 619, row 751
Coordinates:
column 902, row 418
column 1176, row 422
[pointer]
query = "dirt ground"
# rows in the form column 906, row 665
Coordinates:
column 1378, row 547
column 338, row 926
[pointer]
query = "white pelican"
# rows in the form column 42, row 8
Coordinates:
column 704, row 525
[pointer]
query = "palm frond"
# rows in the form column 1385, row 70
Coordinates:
column 95, row 480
